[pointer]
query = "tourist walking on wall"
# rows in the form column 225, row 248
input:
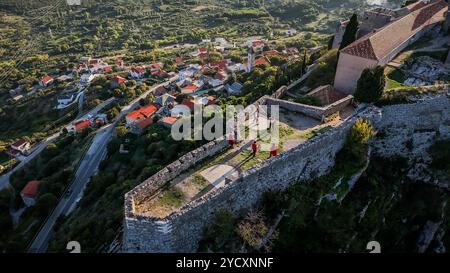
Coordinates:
column 273, row 150
column 254, row 148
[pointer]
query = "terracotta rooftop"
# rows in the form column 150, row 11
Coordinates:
column 379, row 44
column 19, row 143
column 144, row 123
column 138, row 69
column 83, row 124
column 262, row 61
column 119, row 80
column 169, row 120
column 31, row 189
column 143, row 112
column 415, row 6
column 46, row 79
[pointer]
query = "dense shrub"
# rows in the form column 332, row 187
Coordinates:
column 325, row 70
column 308, row 100
column 358, row 138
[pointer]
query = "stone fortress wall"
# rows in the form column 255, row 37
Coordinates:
column 182, row 230
column 316, row 112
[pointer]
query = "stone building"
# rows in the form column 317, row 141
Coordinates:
column 374, row 19
column 381, row 46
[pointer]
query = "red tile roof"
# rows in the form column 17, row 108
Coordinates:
column 221, row 65
column 145, row 123
column 46, row 79
column 138, row 69
column 19, row 143
column 81, row 125
column 161, row 90
column 144, row 112
column 221, row 75
column 107, row 68
column 119, row 80
column 262, row 61
column 380, row 44
column 190, row 88
column 178, row 59
column 31, row 189
column 156, row 65
column 169, row 120
column 415, row 6
column 188, row 103
column 272, row 53
column 362, row 49
column 428, row 12
column 161, row 73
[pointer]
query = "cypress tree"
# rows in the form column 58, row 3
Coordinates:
column 305, row 62
column 370, row 85
column 350, row 32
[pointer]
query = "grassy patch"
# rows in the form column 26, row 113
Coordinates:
column 172, row 198
column 200, row 182
column 308, row 100
column 393, row 84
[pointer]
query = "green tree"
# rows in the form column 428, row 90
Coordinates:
column 350, row 32
column 121, row 131
column 358, row 138
column 252, row 229
column 45, row 204
column 371, row 85
column 304, row 62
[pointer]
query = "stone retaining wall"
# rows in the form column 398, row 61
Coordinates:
column 312, row 111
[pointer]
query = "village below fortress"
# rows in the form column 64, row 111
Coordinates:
column 219, row 175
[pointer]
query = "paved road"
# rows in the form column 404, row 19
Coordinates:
column 87, row 168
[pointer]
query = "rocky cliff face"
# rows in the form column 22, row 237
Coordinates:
column 400, row 200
